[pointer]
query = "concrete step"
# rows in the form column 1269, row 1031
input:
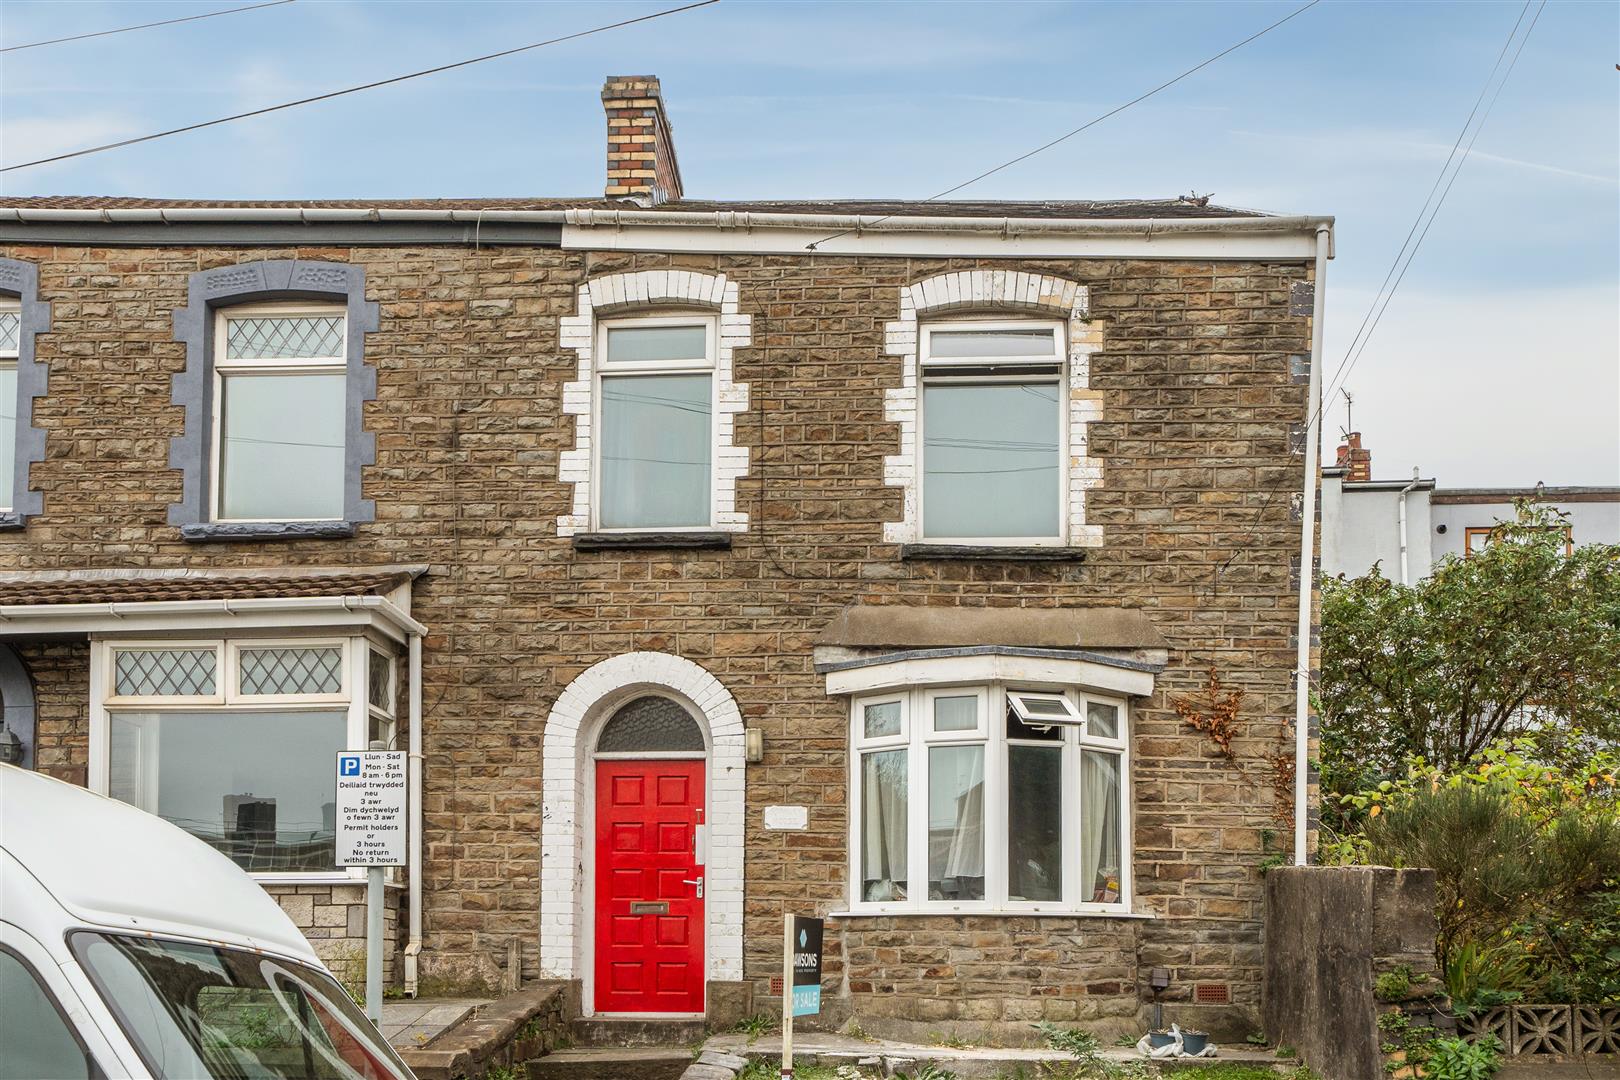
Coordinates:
column 611, row 1063
column 666, row 1034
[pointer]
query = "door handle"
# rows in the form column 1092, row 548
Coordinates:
column 698, row 881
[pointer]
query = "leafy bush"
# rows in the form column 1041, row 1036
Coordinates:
column 1459, row 1059
column 1482, row 976
column 1080, row 1044
column 1393, row 985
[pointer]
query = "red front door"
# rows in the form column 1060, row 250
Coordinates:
column 649, row 907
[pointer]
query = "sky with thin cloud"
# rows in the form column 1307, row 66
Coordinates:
column 1497, row 363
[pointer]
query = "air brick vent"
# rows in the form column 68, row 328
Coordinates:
column 1212, row 994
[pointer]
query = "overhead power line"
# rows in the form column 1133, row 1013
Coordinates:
column 143, row 26
column 1089, row 123
column 356, row 89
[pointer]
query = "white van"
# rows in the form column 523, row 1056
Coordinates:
column 129, row 948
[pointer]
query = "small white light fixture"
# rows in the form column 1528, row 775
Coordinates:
column 753, row 745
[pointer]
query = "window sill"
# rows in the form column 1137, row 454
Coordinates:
column 644, row 541
column 999, row 913
column 11, row 521
column 336, row 878
column 203, row 532
column 992, row 553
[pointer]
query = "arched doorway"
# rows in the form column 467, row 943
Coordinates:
column 17, row 713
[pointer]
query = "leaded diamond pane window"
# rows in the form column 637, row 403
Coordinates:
column 380, row 682
column 284, row 337
column 650, row 723
column 164, row 673
column 10, row 331
column 285, row 671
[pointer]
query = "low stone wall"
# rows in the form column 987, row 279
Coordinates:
column 501, row 1035
column 1330, row 931
column 333, row 918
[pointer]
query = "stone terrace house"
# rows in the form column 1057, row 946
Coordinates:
column 715, row 560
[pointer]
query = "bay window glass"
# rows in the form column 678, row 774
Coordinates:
column 656, row 424
column 992, row 436
column 10, row 340
column 280, row 415
column 1015, row 815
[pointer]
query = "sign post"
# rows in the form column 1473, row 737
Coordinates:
column 371, row 797
column 801, row 978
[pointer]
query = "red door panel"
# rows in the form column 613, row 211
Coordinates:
column 646, row 814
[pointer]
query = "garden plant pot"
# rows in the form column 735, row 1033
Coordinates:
column 1194, row 1042
column 1157, row 1039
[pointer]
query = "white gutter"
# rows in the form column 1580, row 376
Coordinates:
column 413, row 942
column 63, row 617
column 1307, row 556
column 1400, row 515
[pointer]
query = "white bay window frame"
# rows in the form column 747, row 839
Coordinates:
column 224, row 367
column 981, row 370
column 351, row 699
column 917, row 736
column 607, row 369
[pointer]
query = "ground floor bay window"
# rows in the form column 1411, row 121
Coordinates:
column 235, row 741
column 989, row 797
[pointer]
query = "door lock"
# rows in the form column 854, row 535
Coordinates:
column 698, row 881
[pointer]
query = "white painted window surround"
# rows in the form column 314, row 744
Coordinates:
column 654, row 292
column 567, row 845
column 995, row 293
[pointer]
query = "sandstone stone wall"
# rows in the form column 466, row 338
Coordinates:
column 333, row 918
column 1194, row 501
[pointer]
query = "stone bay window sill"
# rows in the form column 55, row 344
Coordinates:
column 992, row 553
column 652, row 541
column 202, row 532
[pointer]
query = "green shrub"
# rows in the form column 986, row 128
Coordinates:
column 1393, row 985
column 1071, row 1041
column 1459, row 1059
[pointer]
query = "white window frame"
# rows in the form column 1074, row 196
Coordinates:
column 926, row 365
column 604, row 368
column 8, row 362
column 221, row 368
column 353, row 701
column 917, row 737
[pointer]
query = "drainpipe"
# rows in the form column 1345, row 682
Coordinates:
column 1400, row 514
column 1307, row 554
column 413, row 942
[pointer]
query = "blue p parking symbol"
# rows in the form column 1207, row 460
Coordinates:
column 349, row 765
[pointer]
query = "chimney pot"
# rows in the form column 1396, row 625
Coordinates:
column 639, row 132
column 1353, row 458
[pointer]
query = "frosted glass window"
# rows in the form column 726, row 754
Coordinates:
column 33, row 1035
column 655, row 451
column 956, row 823
column 281, row 452
column 380, row 681
column 1100, row 865
column 883, row 826
column 642, row 344
column 1035, row 823
column 291, row 671
column 10, row 331
column 284, row 337
column 882, row 719
column 1035, row 342
column 256, row 785
column 164, row 673
column 991, row 463
column 651, row 723
column 956, row 713
column 8, row 432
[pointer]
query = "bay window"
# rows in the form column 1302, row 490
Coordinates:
column 992, row 432
column 990, row 797
column 235, row 741
column 280, row 385
column 655, row 424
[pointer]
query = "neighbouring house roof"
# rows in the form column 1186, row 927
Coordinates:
column 1055, row 209
column 41, row 588
column 1541, row 494
column 891, row 626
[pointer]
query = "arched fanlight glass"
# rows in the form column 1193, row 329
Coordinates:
column 650, row 724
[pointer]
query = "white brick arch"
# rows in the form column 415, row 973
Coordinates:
column 567, row 841
column 990, row 291
column 649, row 290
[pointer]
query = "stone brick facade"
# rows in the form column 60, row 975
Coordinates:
column 1189, row 370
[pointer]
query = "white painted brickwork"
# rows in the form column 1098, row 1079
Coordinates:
column 571, row 729
column 620, row 294
column 991, row 291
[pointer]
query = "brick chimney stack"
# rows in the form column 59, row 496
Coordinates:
column 640, row 146
column 1353, row 458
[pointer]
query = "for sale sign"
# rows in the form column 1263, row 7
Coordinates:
column 371, row 798
column 805, row 939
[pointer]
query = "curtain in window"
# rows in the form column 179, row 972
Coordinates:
column 956, row 823
column 883, row 826
column 655, row 451
column 1099, row 820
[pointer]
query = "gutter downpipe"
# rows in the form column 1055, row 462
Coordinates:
column 1401, row 517
column 1307, row 557
column 413, row 943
